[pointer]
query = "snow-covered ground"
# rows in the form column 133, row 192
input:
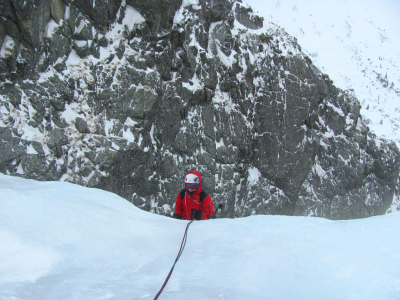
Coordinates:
column 64, row 241
column 357, row 43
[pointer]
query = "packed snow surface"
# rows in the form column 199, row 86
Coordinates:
column 64, row 241
column 356, row 43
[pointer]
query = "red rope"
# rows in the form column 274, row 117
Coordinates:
column 176, row 260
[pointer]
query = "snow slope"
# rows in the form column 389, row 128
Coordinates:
column 64, row 241
column 356, row 43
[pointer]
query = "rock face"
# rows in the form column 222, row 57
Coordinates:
column 128, row 96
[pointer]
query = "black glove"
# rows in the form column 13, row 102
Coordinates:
column 177, row 216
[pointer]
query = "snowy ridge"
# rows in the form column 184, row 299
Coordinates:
column 356, row 45
column 78, row 243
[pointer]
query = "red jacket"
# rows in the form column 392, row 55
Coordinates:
column 196, row 206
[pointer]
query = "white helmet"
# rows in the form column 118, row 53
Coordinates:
column 192, row 178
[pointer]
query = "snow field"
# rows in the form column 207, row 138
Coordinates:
column 63, row 241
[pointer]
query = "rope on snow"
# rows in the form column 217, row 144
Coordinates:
column 176, row 260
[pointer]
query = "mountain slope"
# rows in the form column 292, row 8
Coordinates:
column 131, row 101
column 64, row 241
column 357, row 45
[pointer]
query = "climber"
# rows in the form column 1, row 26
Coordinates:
column 192, row 203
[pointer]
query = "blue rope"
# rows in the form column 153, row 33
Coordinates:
column 176, row 260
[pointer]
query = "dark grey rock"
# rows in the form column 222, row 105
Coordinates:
column 246, row 17
column 81, row 125
column 269, row 132
column 57, row 10
column 84, row 29
column 11, row 92
column 82, row 48
column 103, row 13
column 159, row 14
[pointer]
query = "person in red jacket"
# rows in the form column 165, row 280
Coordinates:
column 192, row 203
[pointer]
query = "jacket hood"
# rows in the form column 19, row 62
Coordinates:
column 197, row 174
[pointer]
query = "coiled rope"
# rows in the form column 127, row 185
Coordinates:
column 176, row 260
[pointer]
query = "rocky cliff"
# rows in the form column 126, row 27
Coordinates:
column 129, row 95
